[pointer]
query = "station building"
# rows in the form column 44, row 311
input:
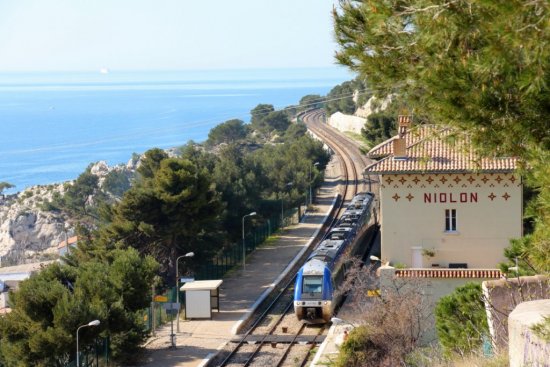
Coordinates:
column 443, row 206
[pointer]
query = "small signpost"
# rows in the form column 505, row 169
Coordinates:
column 171, row 308
column 160, row 299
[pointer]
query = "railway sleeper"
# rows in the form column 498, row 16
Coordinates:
column 284, row 339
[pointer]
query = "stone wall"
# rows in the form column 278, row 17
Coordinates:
column 525, row 347
column 343, row 122
column 503, row 295
column 433, row 284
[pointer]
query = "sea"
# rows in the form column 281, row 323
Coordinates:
column 54, row 124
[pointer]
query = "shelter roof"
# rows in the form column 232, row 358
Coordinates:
column 201, row 285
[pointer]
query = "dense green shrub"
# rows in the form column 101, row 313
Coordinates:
column 461, row 320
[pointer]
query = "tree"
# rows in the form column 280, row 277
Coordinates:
column 175, row 211
column 5, row 186
column 482, row 67
column 116, row 182
column 340, row 99
column 461, row 320
column 259, row 112
column 49, row 307
column 379, row 127
column 265, row 119
column 276, row 120
column 151, row 162
column 311, row 101
column 227, row 132
column 81, row 199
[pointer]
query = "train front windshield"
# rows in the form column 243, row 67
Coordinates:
column 312, row 285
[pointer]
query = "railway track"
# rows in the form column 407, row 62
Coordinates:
column 277, row 338
column 344, row 146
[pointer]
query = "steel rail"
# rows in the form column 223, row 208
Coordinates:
column 347, row 164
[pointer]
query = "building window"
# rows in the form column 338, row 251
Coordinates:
column 450, row 220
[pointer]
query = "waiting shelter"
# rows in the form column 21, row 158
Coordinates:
column 201, row 297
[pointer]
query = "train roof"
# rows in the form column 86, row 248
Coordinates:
column 314, row 267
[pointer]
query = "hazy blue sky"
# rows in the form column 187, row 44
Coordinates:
column 164, row 34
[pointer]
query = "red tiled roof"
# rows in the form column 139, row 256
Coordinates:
column 72, row 240
column 431, row 149
column 449, row 273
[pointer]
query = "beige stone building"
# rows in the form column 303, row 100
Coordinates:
column 441, row 205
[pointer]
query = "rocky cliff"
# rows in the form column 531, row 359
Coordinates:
column 27, row 232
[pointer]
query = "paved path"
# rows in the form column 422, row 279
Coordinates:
column 200, row 339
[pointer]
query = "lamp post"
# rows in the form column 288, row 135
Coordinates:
column 244, row 244
column 282, row 205
column 310, row 195
column 91, row 323
column 189, row 254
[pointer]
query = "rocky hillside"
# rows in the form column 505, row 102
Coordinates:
column 28, row 233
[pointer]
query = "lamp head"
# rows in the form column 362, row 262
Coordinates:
column 251, row 214
column 316, row 163
column 94, row 323
column 189, row 254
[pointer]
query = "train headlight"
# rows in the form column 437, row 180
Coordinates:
column 303, row 303
column 326, row 303
column 319, row 303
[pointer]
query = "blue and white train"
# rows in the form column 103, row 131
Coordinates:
column 324, row 271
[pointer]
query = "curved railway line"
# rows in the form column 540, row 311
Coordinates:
column 276, row 338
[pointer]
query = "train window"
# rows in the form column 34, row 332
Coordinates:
column 312, row 284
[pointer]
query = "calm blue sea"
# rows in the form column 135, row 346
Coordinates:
column 52, row 125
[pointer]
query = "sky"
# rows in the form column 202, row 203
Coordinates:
column 81, row 35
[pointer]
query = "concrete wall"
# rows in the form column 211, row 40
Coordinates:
column 488, row 214
column 525, row 347
column 346, row 122
column 4, row 299
column 432, row 288
column 503, row 295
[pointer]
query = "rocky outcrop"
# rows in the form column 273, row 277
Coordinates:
column 28, row 233
column 356, row 122
column 374, row 105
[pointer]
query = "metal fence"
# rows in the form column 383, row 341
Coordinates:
column 96, row 355
column 220, row 265
column 233, row 256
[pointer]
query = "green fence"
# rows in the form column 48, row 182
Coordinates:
column 96, row 355
column 233, row 256
column 220, row 265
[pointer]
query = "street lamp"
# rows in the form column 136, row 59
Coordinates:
column 310, row 195
column 189, row 254
column 282, row 205
column 91, row 323
column 244, row 244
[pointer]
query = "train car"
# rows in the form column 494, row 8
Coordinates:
column 318, row 279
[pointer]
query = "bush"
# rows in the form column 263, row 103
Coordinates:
column 461, row 320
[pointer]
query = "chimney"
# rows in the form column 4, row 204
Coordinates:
column 405, row 122
column 399, row 145
column 399, row 149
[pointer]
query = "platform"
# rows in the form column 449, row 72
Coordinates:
column 241, row 290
